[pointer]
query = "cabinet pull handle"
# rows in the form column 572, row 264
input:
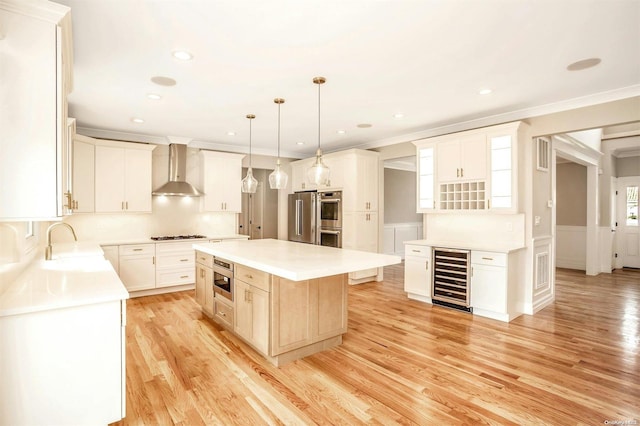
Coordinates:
column 75, row 203
column 137, row 249
column 461, row 172
column 126, row 204
column 488, row 258
column 249, row 276
column 184, row 276
column 184, row 260
column 415, row 251
column 426, row 265
column 457, row 172
column 69, row 203
column 122, row 205
column 154, row 260
column 222, row 314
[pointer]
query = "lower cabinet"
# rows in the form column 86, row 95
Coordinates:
column 417, row 272
column 204, row 281
column 137, row 267
column 223, row 310
column 489, row 290
column 252, row 315
column 64, row 366
column 175, row 263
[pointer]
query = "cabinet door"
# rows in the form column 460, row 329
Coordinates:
column 137, row 183
column 252, row 315
column 83, row 177
column 138, row 272
column 299, row 180
column 489, row 288
column 221, row 177
column 448, row 161
column 110, row 179
column 29, row 126
column 473, row 157
column 336, row 176
column 291, row 314
column 201, row 281
column 417, row 272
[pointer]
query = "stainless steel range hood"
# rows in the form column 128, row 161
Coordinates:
column 177, row 185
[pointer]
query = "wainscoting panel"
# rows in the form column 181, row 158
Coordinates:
column 571, row 247
column 395, row 234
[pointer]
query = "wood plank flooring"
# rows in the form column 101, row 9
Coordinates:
column 402, row 362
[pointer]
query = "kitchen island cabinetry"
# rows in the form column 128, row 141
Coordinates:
column 37, row 68
column 220, row 179
column 286, row 305
column 204, row 281
column 123, row 177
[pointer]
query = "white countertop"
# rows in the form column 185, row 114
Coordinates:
column 148, row 240
column 485, row 246
column 296, row 261
column 78, row 275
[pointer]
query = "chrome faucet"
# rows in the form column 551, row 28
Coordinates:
column 49, row 250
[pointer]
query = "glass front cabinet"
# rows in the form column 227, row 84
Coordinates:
column 475, row 170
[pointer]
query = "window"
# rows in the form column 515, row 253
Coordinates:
column 632, row 206
column 501, row 172
column 426, row 178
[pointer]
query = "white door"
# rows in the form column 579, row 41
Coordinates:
column 628, row 224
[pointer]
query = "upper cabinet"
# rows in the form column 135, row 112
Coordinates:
column 123, row 177
column 470, row 171
column 83, row 174
column 36, row 36
column 361, row 173
column 221, row 181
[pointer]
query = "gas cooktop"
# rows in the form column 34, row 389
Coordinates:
column 178, row 237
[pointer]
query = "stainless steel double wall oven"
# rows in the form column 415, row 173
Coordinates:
column 316, row 218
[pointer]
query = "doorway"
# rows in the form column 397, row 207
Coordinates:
column 259, row 216
column 628, row 229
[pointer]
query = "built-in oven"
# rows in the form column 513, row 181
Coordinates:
column 330, row 207
column 223, row 278
column 330, row 237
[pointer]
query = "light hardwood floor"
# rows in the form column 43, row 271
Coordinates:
column 402, row 362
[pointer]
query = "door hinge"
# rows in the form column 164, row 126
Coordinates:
column 616, row 255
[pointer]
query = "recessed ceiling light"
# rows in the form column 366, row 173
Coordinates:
column 183, row 55
column 584, row 64
column 299, row 143
column 364, row 125
column 230, row 133
column 154, row 96
column 137, row 120
column 341, row 132
column 398, row 115
column 485, row 91
column 163, row 81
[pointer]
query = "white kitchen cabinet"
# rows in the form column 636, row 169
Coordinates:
column 360, row 192
column 417, row 272
column 33, row 121
column 299, row 180
column 175, row 264
column 252, row 315
column 494, row 284
column 335, row 163
column 123, row 177
column 137, row 266
column 64, row 366
column 462, row 158
column 474, row 170
column 221, row 179
column 83, row 171
column 360, row 232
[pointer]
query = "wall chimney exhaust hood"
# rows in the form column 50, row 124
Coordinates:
column 177, row 185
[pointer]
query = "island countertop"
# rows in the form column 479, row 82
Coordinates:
column 296, row 261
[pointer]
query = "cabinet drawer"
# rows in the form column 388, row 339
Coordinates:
column 135, row 249
column 252, row 276
column 223, row 313
column 174, row 247
column 173, row 277
column 176, row 259
column 204, row 259
column 415, row 250
column 488, row 258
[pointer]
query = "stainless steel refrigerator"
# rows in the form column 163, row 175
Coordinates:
column 303, row 207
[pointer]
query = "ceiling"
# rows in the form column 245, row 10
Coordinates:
column 424, row 59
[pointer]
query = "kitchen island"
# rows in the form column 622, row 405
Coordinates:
column 289, row 299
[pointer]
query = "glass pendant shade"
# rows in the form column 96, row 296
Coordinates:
column 319, row 173
column 249, row 183
column 278, row 178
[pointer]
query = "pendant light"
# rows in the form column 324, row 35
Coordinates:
column 278, row 178
column 249, row 183
column 319, row 173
